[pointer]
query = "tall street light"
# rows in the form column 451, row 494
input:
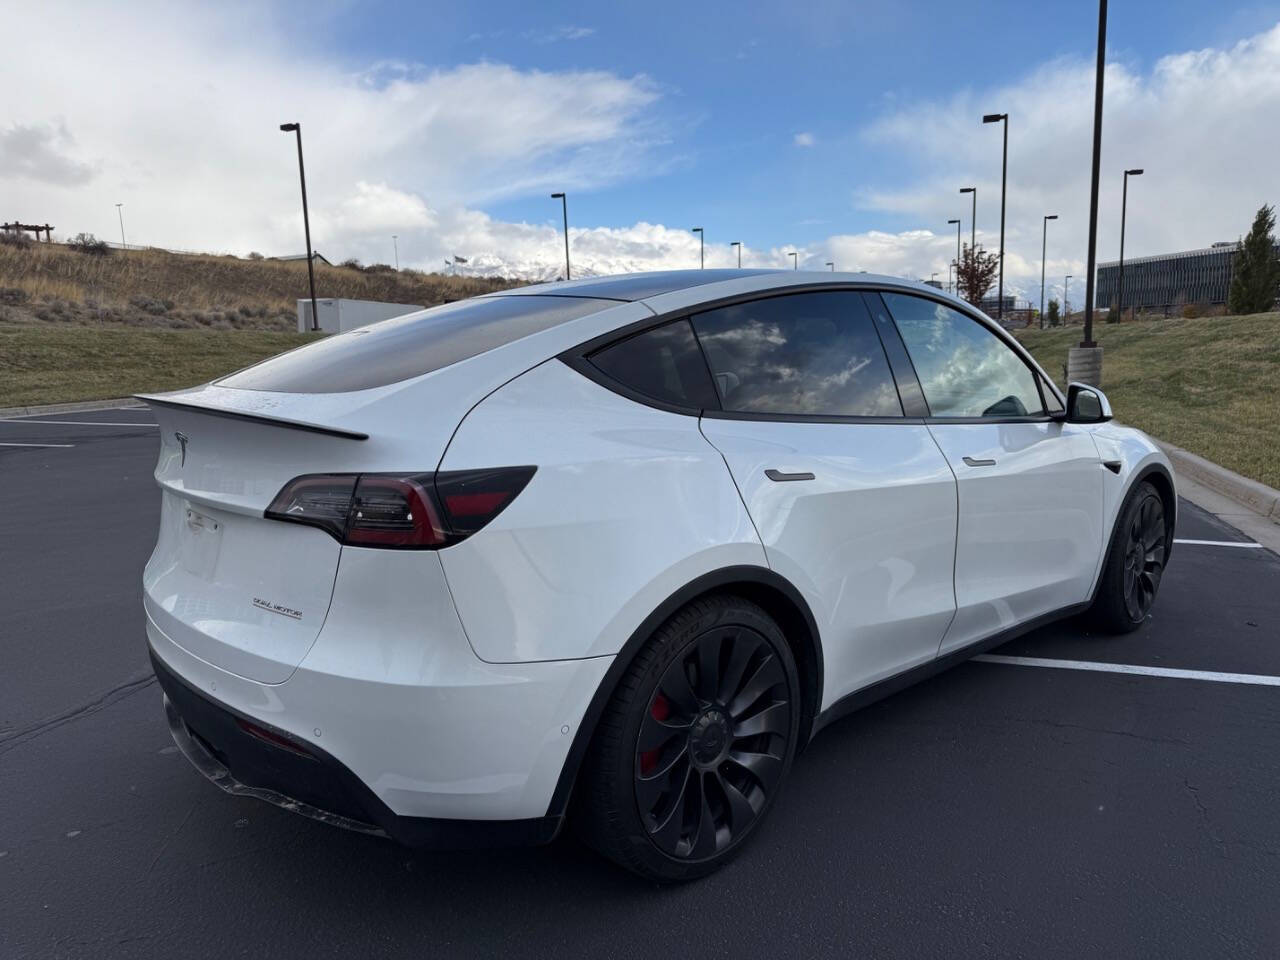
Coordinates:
column 306, row 222
column 952, row 266
column 702, row 247
column 832, row 265
column 121, row 215
column 795, row 263
column 738, row 244
column 1100, row 72
column 973, row 219
column 1044, row 239
column 564, row 204
column 1066, row 285
column 1004, row 170
column 1124, row 203
column 395, row 245
column 957, row 223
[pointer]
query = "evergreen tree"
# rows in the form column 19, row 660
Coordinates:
column 1255, row 274
column 1052, row 314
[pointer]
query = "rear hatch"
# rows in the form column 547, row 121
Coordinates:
column 235, row 589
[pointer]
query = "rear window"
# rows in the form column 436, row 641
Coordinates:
column 664, row 364
column 406, row 347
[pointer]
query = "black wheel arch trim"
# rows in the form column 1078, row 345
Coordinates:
column 1171, row 515
column 723, row 579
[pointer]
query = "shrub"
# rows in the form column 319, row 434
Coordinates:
column 88, row 243
column 379, row 268
column 1190, row 311
column 157, row 308
column 255, row 255
column 15, row 238
column 351, row 263
column 13, row 296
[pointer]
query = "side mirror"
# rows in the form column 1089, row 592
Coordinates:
column 1086, row 404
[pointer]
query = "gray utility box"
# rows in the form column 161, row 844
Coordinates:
column 339, row 316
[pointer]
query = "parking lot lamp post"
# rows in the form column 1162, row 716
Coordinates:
column 1124, row 203
column 1066, row 285
column 1004, row 171
column 564, row 204
column 1099, row 73
column 121, row 215
column 795, row 263
column 738, row 244
column 702, row 247
column 973, row 218
column 832, row 265
column 957, row 223
column 1044, row 239
column 395, row 245
column 306, row 221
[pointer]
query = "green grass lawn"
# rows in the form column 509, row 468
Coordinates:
column 1211, row 385
column 48, row 364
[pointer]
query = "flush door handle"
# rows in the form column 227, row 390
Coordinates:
column 977, row 462
column 779, row 477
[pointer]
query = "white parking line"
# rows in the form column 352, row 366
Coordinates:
column 75, row 423
column 37, row 444
column 1220, row 543
column 1256, row 679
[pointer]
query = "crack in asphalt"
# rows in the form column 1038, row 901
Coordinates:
column 117, row 693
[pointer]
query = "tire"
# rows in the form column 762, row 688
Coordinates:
column 713, row 698
column 1134, row 564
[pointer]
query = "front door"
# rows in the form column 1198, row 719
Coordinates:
column 1030, row 486
column 854, row 502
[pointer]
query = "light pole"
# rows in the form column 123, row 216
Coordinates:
column 957, row 223
column 306, row 222
column 395, row 245
column 795, row 263
column 702, row 248
column 832, row 265
column 1100, row 72
column 1066, row 285
column 564, row 204
column 1044, row 239
column 953, row 265
column 121, row 215
column 973, row 219
column 1124, row 203
column 738, row 244
column 1004, row 170
column 933, row 278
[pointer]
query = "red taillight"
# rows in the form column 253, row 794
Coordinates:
column 399, row 511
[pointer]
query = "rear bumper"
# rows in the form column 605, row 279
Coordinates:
column 308, row 781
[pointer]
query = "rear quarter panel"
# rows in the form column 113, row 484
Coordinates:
column 629, row 504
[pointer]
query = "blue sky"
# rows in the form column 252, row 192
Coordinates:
column 840, row 130
column 739, row 82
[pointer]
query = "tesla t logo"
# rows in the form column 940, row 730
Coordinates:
column 182, row 442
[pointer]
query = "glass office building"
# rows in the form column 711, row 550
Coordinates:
column 1170, row 280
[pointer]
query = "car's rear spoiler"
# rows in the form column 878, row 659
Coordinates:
column 170, row 401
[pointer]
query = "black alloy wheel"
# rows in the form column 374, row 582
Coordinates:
column 1144, row 556
column 712, row 743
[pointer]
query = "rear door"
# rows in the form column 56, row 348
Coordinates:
column 1030, row 486
column 852, row 500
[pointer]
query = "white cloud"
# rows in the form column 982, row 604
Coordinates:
column 559, row 33
column 44, row 153
column 804, row 140
column 1202, row 123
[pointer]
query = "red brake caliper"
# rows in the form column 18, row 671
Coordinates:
column 660, row 710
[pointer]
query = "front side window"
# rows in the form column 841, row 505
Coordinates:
column 804, row 354
column 965, row 370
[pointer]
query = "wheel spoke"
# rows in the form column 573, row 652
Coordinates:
column 765, row 767
column 704, row 840
column 675, row 684
column 709, row 667
column 740, row 652
column 667, row 833
column 741, row 812
column 772, row 719
column 652, row 785
column 767, row 675
column 656, row 733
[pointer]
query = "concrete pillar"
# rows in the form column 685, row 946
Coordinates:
column 1084, row 364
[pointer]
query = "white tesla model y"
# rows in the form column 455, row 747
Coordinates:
column 611, row 551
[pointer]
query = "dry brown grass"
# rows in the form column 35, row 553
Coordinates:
column 155, row 288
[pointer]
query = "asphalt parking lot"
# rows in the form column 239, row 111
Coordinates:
column 1037, row 806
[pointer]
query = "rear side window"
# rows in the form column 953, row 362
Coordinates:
column 663, row 364
column 965, row 370
column 804, row 354
column 410, row 346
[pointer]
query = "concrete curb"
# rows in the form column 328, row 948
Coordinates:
column 35, row 411
column 1253, row 496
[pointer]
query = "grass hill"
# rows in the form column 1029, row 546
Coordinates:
column 42, row 283
column 1210, row 385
